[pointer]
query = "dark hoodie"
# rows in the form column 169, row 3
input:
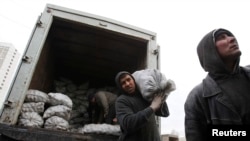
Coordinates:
column 136, row 118
column 208, row 55
column 223, row 96
column 211, row 62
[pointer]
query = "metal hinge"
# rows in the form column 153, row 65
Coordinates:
column 26, row 59
column 8, row 103
column 103, row 24
column 155, row 51
column 153, row 37
column 39, row 22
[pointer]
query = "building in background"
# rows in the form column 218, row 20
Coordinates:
column 9, row 58
column 169, row 137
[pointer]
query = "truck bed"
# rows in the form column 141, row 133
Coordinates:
column 13, row 133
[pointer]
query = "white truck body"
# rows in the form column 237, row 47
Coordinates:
column 79, row 46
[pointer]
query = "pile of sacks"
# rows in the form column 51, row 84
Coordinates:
column 58, row 113
column 33, row 109
column 34, row 112
column 65, row 109
column 80, row 121
column 78, row 93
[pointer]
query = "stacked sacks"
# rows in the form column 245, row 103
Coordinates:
column 64, row 108
column 79, row 115
column 58, row 113
column 35, row 114
column 32, row 109
column 78, row 94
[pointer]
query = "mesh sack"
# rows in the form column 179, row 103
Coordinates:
column 56, row 123
column 151, row 82
column 35, row 96
column 59, row 110
column 60, row 99
column 101, row 129
column 30, row 119
column 33, row 107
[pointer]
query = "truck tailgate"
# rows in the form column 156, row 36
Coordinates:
column 40, row 134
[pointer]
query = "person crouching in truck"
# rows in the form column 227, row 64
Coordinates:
column 103, row 104
column 135, row 115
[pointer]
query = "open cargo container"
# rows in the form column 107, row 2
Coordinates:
column 79, row 46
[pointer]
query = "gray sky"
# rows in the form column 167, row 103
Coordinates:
column 179, row 24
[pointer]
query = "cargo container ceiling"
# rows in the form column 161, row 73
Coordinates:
column 94, row 53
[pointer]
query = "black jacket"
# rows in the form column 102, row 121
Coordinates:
column 136, row 118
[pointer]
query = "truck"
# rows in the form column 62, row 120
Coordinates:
column 82, row 47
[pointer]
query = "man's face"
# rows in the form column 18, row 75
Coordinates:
column 127, row 84
column 227, row 47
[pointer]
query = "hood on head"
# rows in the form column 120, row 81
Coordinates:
column 117, row 79
column 220, row 31
column 208, row 55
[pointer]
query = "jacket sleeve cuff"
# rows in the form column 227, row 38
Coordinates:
column 148, row 112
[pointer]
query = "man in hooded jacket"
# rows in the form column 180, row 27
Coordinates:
column 135, row 115
column 223, row 96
